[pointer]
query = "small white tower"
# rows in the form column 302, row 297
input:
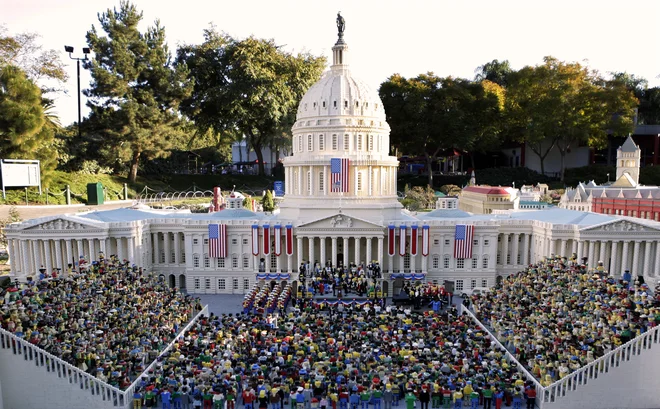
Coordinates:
column 628, row 158
column 473, row 180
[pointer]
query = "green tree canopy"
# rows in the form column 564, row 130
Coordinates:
column 135, row 90
column 267, row 202
column 247, row 87
column 565, row 105
column 495, row 71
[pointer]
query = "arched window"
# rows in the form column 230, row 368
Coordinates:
column 196, row 260
column 435, row 264
column 273, row 262
column 207, row 261
column 246, row 261
column 335, row 143
column 484, row 263
column 359, row 181
column 406, row 261
column 322, row 140
column 220, row 262
column 445, row 261
column 222, row 284
column 234, row 261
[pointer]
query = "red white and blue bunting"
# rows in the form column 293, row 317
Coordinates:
column 255, row 240
column 425, row 240
column 278, row 239
column 333, row 303
column 408, row 276
column 266, row 240
column 273, row 276
column 390, row 240
column 289, row 240
column 402, row 240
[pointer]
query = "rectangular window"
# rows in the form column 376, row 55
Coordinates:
column 484, row 264
column 235, row 241
column 206, row 242
column 359, row 142
column 508, row 258
column 183, row 256
column 486, row 242
column 460, row 263
column 445, row 262
column 162, row 256
column 310, row 143
column 406, row 262
column 436, row 262
column 246, row 262
column 499, row 258
column 234, row 283
column 474, row 263
column 321, row 181
column 195, row 241
column 207, row 261
column 245, row 241
column 459, row 285
column 446, row 242
column 518, row 260
column 196, row 281
column 273, row 262
column 347, row 143
column 484, row 282
column 309, row 182
column 300, row 143
column 321, row 142
column 246, row 284
column 370, row 143
column 173, row 257
column 436, row 242
column 207, row 283
column 221, row 262
column 196, row 260
column 475, row 242
column 473, row 283
column 334, row 143
column 359, row 181
column 234, row 262
column 222, row 285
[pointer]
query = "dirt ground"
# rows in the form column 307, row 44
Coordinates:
column 32, row 212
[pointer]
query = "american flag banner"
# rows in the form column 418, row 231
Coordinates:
column 426, row 242
column 266, row 239
column 277, row 232
column 217, row 240
column 402, row 240
column 390, row 240
column 339, row 174
column 289, row 240
column 463, row 241
column 413, row 240
column 255, row 240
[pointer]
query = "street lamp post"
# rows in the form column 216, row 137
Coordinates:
column 85, row 51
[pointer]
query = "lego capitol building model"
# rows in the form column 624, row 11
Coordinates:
column 340, row 207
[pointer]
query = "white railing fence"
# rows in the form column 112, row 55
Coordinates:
column 545, row 396
column 113, row 396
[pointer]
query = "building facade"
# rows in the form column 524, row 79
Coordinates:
column 340, row 207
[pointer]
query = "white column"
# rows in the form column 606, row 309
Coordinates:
column 381, row 242
column 346, row 251
column 310, row 242
column 188, row 246
column 613, row 267
column 177, row 248
column 656, row 267
column 525, row 249
column 81, row 252
column 505, row 248
column 299, row 251
column 636, row 257
column 647, row 260
column 13, row 257
column 120, row 249
column 624, row 258
column 514, row 256
column 130, row 244
column 601, row 252
column 36, row 254
column 562, row 249
column 156, row 255
column 481, row 252
column 326, row 181
column 357, row 243
column 592, row 251
column 300, row 184
column 167, row 245
column 311, row 184
column 333, row 256
column 48, row 255
column 58, row 255
column 369, row 257
column 532, row 249
column 69, row 254
column 580, row 250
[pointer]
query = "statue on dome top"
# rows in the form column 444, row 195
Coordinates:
column 341, row 24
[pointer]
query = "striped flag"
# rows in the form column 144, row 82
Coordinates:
column 425, row 240
column 217, row 240
column 402, row 240
column 255, row 240
column 413, row 240
column 266, row 239
column 278, row 239
column 390, row 240
column 339, row 174
column 289, row 239
column 463, row 241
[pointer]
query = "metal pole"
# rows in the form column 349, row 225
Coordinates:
column 79, row 116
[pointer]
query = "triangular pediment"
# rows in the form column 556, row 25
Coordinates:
column 340, row 221
column 621, row 226
column 59, row 223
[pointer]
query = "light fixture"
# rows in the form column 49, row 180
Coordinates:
column 68, row 48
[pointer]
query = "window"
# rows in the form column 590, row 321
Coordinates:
column 273, row 261
column 309, row 182
column 347, row 143
column 475, row 242
column 310, row 143
column 508, row 258
column 196, row 283
column 334, row 143
column 335, row 104
column 474, row 263
column 300, row 143
column 436, row 262
column 206, row 242
column 195, row 241
column 196, row 260
column 246, row 284
column 484, row 282
column 246, row 261
column 183, row 256
column 296, row 186
column 484, row 263
column 207, row 261
column 359, row 181
column 445, row 261
column 245, row 241
column 321, row 181
column 359, row 142
column 473, row 283
column 446, row 242
column 162, row 256
column 173, row 256
column 323, row 104
column 321, row 141
column 234, row 261
column 222, row 284
column 406, row 262
column 499, row 258
column 486, row 242
column 370, row 143
column 518, row 260
column 436, row 242
column 220, row 262
column 460, row 263
column 459, row 285
column 207, row 283
column 345, row 104
column 235, row 241
column 234, row 283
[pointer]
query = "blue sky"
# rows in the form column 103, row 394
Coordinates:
column 385, row 37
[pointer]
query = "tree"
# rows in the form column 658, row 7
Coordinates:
column 251, row 87
column 494, row 71
column 13, row 217
column 267, row 202
column 136, row 89
column 563, row 105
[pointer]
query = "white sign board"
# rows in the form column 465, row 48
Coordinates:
column 19, row 173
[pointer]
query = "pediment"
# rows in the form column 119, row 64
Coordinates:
column 340, row 221
column 620, row 226
column 60, row 224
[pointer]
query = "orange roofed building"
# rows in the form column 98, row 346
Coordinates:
column 486, row 199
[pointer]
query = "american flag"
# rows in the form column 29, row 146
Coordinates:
column 463, row 241
column 339, row 173
column 217, row 240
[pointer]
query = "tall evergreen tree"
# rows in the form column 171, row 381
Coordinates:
column 135, row 90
